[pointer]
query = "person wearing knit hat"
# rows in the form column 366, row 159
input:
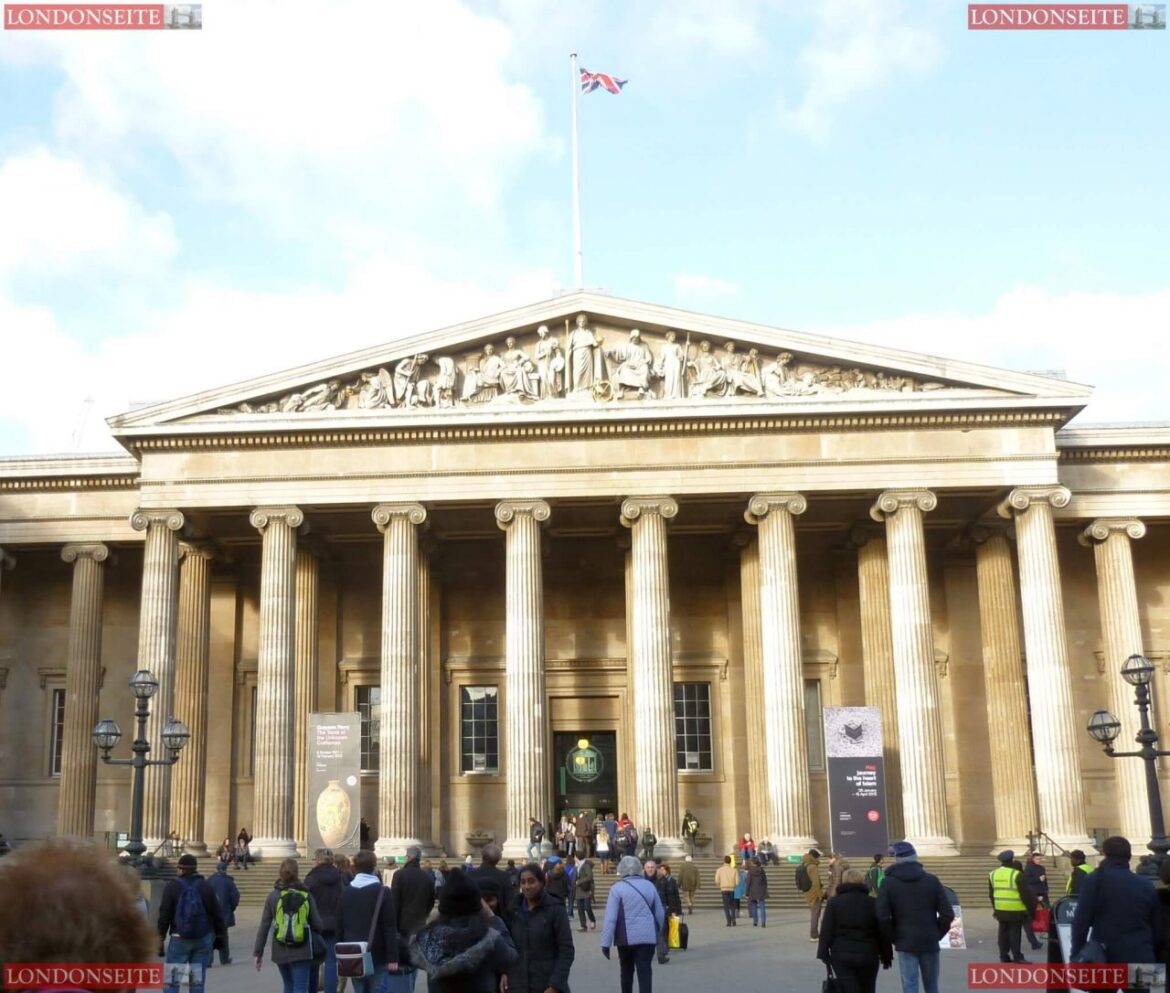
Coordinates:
column 914, row 910
column 459, row 896
column 193, row 927
column 227, row 894
column 903, row 851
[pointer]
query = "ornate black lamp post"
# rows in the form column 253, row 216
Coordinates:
column 1105, row 727
column 174, row 736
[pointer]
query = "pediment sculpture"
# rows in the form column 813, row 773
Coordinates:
column 584, row 365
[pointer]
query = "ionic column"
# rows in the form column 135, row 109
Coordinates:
column 920, row 741
column 399, row 773
column 1054, row 733
column 272, row 812
column 655, row 760
column 305, row 665
column 526, row 724
column 877, row 646
column 157, row 624
column 1012, row 785
column 423, row 815
column 192, row 655
column 83, row 677
column 753, row 650
column 1121, row 636
column 789, row 816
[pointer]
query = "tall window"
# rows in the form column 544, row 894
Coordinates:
column 58, row 732
column 479, row 729
column 813, row 725
column 369, row 708
column 692, row 726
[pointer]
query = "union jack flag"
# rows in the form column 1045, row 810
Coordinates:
column 591, row 80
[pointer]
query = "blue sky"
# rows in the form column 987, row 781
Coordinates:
column 180, row 210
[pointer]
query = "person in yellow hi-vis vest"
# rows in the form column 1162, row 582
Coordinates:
column 1077, row 874
column 1013, row 904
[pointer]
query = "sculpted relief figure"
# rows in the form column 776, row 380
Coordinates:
column 584, row 354
column 780, row 381
column 376, row 390
column 550, row 364
column 518, row 377
column 444, row 391
column 710, row 376
column 742, row 371
column 671, row 368
column 409, row 390
column 635, row 364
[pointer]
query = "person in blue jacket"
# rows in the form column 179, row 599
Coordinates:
column 634, row 917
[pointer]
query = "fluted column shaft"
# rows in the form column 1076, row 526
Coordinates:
column 877, row 646
column 1121, row 636
column 1054, row 733
column 273, row 776
column 423, row 794
column 651, row 665
column 83, row 676
column 192, row 654
column 526, row 735
column 749, row 582
column 920, row 740
column 1003, row 676
column 157, row 626
column 789, row 816
column 305, row 655
column 399, row 773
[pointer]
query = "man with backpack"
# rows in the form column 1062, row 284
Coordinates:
column 875, row 875
column 325, row 882
column 808, row 881
column 535, row 838
column 190, row 914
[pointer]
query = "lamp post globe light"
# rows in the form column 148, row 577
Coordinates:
column 1104, row 727
column 106, row 735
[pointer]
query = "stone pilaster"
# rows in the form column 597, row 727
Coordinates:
column 399, row 773
column 192, row 656
column 877, row 646
column 789, row 816
column 157, row 626
column 753, row 649
column 305, row 654
column 920, row 741
column 1003, row 677
column 272, row 812
column 83, row 678
column 1054, row 732
column 423, row 815
column 651, row 669
column 1121, row 637
column 526, row 723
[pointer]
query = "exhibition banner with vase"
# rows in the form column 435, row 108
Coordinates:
column 334, row 793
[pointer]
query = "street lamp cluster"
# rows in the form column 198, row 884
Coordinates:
column 1105, row 727
column 174, row 738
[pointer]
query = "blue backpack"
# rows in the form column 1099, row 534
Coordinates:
column 191, row 920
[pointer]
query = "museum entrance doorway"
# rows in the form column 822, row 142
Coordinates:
column 585, row 773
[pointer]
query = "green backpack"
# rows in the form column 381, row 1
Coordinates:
column 291, row 918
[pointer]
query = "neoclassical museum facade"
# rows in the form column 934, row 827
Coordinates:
column 669, row 539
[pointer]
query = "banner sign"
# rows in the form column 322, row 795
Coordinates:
column 857, row 781
column 334, row 784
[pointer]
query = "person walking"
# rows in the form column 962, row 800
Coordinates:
column 557, row 884
column 838, row 865
column 535, row 838
column 1012, row 904
column 634, row 917
column 814, row 896
column 583, row 894
column 361, row 900
column 690, row 827
column 915, row 915
column 1120, row 908
column 601, row 846
column 649, row 840
column 290, row 915
column 189, row 913
column 414, row 896
column 688, row 881
column 583, row 825
column 543, row 938
column 1036, row 879
column 875, row 875
column 489, row 868
column 326, row 883
column 227, row 894
column 1077, row 872
column 852, row 944
column 757, row 893
column 650, row 872
column 726, row 878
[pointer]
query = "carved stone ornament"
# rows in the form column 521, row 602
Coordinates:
column 891, row 501
column 172, row 520
column 506, row 511
column 261, row 517
column 1022, row 497
column 581, row 364
column 1103, row 527
column 635, row 507
column 760, row 505
column 384, row 513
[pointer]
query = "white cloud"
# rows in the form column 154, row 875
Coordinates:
column 693, row 288
column 729, row 28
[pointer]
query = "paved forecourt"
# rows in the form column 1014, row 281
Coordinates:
column 778, row 959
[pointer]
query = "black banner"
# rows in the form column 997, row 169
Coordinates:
column 857, row 780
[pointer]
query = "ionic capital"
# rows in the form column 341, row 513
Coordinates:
column 506, row 511
column 635, row 507
column 197, row 549
column 172, row 520
column 1103, row 527
column 762, row 504
column 861, row 535
column 95, row 550
column 384, row 513
column 261, row 517
column 1022, row 497
column 891, row 501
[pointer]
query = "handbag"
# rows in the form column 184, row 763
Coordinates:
column 354, row 958
column 1041, row 918
column 319, row 948
column 1092, row 953
column 830, row 985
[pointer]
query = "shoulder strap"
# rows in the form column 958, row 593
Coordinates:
column 641, row 894
column 377, row 911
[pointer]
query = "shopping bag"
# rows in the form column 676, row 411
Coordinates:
column 673, row 939
column 1041, row 918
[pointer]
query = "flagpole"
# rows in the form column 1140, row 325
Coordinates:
column 577, row 258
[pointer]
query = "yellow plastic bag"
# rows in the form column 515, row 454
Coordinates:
column 672, row 936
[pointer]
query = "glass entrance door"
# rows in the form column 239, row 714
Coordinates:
column 585, row 774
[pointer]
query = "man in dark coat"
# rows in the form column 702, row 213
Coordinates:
column 195, row 948
column 325, row 882
column 1012, row 905
column 915, row 915
column 1036, row 877
column 1121, row 908
column 414, row 896
column 227, row 893
column 489, row 868
column 355, row 915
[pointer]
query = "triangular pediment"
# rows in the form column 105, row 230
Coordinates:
column 578, row 355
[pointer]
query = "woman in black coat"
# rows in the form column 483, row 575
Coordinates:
column 851, row 938
column 544, row 942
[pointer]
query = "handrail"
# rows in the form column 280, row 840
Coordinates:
column 1036, row 840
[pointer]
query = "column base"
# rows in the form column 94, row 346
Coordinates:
column 392, row 847
column 273, row 848
column 197, row 848
column 937, row 846
column 1018, row 845
column 670, row 848
column 517, row 848
column 1086, row 845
